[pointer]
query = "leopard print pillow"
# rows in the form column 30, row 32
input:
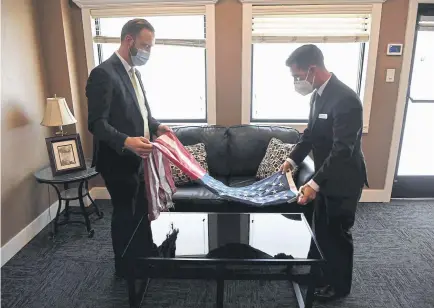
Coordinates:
column 199, row 153
column 276, row 154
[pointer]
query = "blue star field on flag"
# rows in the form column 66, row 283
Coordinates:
column 270, row 191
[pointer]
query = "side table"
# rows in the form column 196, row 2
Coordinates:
column 44, row 175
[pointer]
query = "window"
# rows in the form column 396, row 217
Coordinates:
column 176, row 77
column 343, row 33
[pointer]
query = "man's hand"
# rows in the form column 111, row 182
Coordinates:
column 306, row 194
column 139, row 145
column 286, row 167
column 163, row 129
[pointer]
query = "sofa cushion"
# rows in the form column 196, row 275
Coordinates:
column 216, row 145
column 196, row 194
column 199, row 153
column 247, row 145
column 241, row 181
column 276, row 154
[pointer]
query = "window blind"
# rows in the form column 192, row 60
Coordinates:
column 148, row 11
column 161, row 12
column 311, row 24
column 426, row 23
column 173, row 42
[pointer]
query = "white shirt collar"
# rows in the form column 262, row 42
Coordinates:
column 125, row 63
column 321, row 89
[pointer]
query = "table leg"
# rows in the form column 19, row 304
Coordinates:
column 132, row 294
column 311, row 287
column 220, row 292
column 56, row 218
column 90, row 231
column 66, row 213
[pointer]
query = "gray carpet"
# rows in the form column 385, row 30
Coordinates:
column 394, row 267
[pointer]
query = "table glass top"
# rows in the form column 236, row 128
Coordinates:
column 250, row 236
column 46, row 175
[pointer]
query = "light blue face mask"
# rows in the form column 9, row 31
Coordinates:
column 140, row 58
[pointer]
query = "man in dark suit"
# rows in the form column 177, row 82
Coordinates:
column 120, row 120
column 333, row 133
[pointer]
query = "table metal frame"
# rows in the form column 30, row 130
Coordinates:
column 83, row 191
column 71, row 194
column 218, row 270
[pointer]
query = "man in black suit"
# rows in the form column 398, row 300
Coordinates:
column 333, row 133
column 120, row 120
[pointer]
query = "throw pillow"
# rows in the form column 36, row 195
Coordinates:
column 199, row 153
column 276, row 154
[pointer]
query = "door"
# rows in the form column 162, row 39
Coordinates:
column 414, row 176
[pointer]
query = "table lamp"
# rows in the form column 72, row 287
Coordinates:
column 57, row 113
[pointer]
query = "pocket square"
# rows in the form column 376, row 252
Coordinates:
column 322, row 116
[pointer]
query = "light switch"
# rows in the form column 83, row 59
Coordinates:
column 390, row 75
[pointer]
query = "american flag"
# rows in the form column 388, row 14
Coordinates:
column 276, row 189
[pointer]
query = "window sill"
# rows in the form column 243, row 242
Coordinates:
column 298, row 126
column 185, row 124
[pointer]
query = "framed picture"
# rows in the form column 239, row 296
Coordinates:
column 65, row 153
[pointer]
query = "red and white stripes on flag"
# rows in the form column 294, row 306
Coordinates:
column 276, row 189
column 158, row 177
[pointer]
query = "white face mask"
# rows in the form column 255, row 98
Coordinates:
column 304, row 87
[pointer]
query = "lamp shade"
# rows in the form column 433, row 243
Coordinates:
column 57, row 113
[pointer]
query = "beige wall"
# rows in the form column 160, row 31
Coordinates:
column 228, row 61
column 23, row 148
column 376, row 144
column 57, row 48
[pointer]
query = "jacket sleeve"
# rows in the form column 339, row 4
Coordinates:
column 99, row 92
column 303, row 147
column 347, row 125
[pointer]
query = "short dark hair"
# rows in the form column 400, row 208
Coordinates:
column 134, row 26
column 306, row 56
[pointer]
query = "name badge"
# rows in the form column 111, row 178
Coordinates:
column 322, row 116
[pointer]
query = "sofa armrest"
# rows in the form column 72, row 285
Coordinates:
column 305, row 172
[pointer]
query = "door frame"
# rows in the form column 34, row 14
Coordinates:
column 411, row 186
column 402, row 93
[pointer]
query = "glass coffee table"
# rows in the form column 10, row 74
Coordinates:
column 223, row 246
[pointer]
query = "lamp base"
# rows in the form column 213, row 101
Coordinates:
column 60, row 132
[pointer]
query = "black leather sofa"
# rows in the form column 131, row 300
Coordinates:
column 233, row 157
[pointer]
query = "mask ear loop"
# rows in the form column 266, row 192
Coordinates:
column 307, row 75
column 133, row 47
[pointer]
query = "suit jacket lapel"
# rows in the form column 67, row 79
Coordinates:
column 125, row 78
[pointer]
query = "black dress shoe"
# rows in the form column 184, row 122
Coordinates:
column 328, row 293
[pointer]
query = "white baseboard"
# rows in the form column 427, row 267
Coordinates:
column 375, row 195
column 368, row 195
column 99, row 193
column 76, row 203
column 28, row 233
column 20, row 240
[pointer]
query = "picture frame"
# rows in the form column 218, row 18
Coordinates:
column 65, row 153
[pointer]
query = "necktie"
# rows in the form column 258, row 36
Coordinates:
column 314, row 103
column 141, row 100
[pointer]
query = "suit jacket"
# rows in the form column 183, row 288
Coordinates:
column 113, row 115
column 335, row 139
